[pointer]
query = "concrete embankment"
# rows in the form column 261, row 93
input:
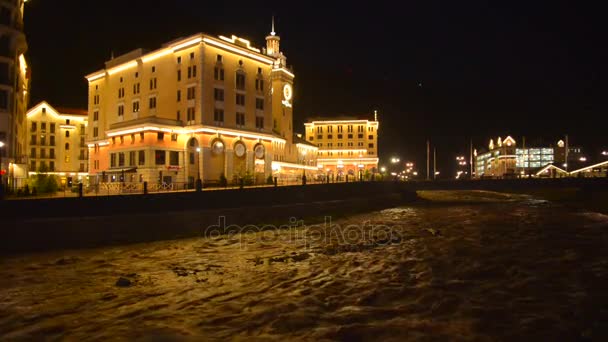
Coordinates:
column 52, row 224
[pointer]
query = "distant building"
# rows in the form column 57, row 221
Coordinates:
column 346, row 145
column 504, row 159
column 198, row 107
column 14, row 92
column 57, row 142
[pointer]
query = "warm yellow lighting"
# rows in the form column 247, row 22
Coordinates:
column 245, row 41
column 590, row 167
column 152, row 56
column 236, row 50
column 187, row 44
column 50, row 110
column 305, row 146
column 285, row 71
column 122, row 67
column 279, row 165
column 67, row 126
column 342, row 150
column 224, row 131
column 351, row 160
column 22, row 65
column 341, row 122
column 94, row 77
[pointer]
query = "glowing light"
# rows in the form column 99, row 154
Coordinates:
column 239, row 51
column 294, row 166
column 154, row 55
column 341, row 122
column 187, row 44
column 234, row 133
column 583, row 159
column 122, row 67
column 22, row 65
column 1, row 143
column 94, row 77
column 285, row 71
column 245, row 41
column 590, row 167
column 383, row 169
column 50, row 110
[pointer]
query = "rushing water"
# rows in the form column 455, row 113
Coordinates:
column 510, row 269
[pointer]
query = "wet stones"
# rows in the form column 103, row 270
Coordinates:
column 127, row 280
column 123, row 282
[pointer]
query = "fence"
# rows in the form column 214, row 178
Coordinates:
column 132, row 188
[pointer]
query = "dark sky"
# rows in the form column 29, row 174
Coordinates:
column 530, row 68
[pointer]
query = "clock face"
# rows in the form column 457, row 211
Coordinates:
column 217, row 147
column 239, row 150
column 259, row 151
column 287, row 93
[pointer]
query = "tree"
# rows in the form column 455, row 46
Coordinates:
column 43, row 182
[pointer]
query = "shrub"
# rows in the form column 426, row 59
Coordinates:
column 248, row 178
column 223, row 180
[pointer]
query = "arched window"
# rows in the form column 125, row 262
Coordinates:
column 67, row 146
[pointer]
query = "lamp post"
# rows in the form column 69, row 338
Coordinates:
column 303, row 167
column 1, row 171
column 199, row 182
column 394, row 161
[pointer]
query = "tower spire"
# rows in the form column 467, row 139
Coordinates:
column 272, row 33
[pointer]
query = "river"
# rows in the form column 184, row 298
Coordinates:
column 485, row 266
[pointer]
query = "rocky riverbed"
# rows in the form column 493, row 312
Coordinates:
column 464, row 266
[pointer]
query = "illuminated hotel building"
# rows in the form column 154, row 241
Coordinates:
column 56, row 142
column 505, row 159
column 14, row 93
column 347, row 145
column 198, row 107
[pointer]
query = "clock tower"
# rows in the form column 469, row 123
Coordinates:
column 281, row 80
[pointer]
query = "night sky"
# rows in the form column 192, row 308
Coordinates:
column 448, row 71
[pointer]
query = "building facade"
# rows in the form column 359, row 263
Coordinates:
column 505, row 159
column 199, row 107
column 346, row 145
column 57, row 142
column 14, row 92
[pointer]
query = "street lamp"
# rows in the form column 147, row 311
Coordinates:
column 304, row 167
column 382, row 169
column 1, row 172
column 395, row 160
column 605, row 153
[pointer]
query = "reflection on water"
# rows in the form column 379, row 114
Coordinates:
column 508, row 270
